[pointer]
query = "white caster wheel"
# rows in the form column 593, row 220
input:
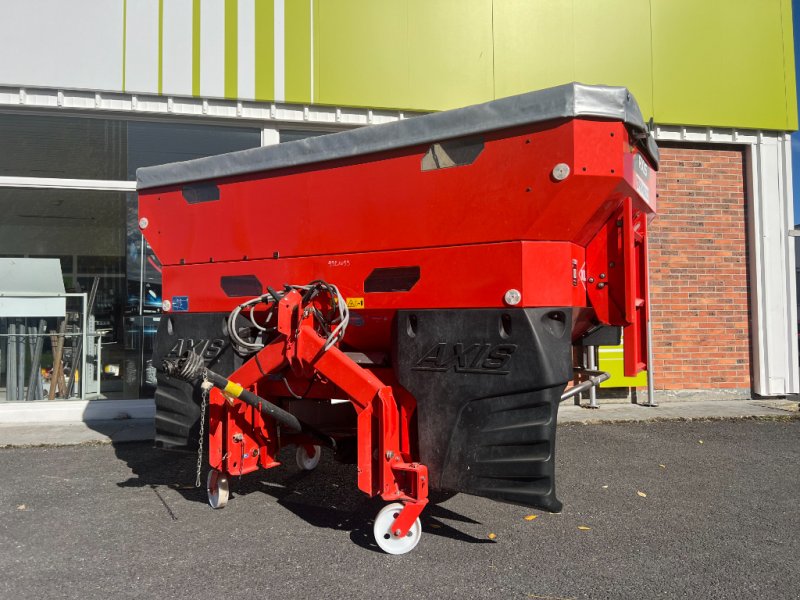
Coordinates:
column 217, row 488
column 388, row 541
column 306, row 462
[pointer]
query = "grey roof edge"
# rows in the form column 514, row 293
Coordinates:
column 565, row 101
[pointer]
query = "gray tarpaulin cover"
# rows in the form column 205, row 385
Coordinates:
column 562, row 102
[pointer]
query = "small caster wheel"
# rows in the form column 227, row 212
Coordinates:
column 217, row 488
column 388, row 541
column 306, row 462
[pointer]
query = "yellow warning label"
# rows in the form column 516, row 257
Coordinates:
column 355, row 303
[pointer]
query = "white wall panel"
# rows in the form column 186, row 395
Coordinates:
column 177, row 48
column 53, row 43
column 141, row 46
column 774, row 312
column 212, row 48
column 280, row 51
column 247, row 49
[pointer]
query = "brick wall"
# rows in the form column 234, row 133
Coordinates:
column 698, row 270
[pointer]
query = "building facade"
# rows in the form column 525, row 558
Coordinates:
column 90, row 90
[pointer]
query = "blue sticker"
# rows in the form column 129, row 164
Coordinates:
column 180, row 303
column 356, row 320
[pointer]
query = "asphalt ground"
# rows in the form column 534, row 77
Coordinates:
column 670, row 510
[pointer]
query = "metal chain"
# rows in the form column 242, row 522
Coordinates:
column 205, row 386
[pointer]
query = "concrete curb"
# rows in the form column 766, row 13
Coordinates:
column 72, row 434
column 112, row 431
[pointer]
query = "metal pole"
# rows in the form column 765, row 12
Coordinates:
column 651, row 400
column 585, row 364
column 83, row 339
column 11, row 363
column 22, row 357
column 35, row 391
column 592, row 366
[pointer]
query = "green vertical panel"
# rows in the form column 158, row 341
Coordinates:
column 450, row 53
column 719, row 63
column 265, row 50
column 297, row 41
column 315, row 54
column 534, row 45
column 362, row 53
column 612, row 46
column 231, row 48
column 196, row 48
column 788, row 53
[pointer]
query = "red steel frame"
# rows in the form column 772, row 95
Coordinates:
column 386, row 469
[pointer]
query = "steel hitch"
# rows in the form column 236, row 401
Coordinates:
column 190, row 367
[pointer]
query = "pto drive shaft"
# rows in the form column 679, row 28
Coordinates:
column 191, row 368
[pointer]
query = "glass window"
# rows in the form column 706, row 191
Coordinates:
column 85, row 230
column 96, row 233
column 86, row 148
column 292, row 135
column 65, row 147
column 159, row 143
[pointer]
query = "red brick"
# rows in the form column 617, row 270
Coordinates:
column 698, row 277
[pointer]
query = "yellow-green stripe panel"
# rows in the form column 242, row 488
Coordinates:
column 362, row 61
column 719, row 63
column 297, row 43
column 534, row 44
column 265, row 50
column 196, row 48
column 450, row 53
column 315, row 54
column 624, row 58
column 231, row 48
column 790, row 58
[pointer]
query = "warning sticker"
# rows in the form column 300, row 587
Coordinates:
column 355, row 303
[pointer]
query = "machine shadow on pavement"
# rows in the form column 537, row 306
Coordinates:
column 326, row 497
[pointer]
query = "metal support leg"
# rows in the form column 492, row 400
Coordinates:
column 591, row 363
column 651, row 400
column 585, row 365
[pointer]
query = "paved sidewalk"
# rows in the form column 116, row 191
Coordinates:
column 687, row 410
column 71, row 433
column 129, row 430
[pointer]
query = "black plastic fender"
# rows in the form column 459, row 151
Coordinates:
column 487, row 384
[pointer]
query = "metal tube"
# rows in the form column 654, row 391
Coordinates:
column 595, row 379
column 592, row 365
column 35, row 379
column 87, row 306
column 22, row 356
column 651, row 399
column 11, row 363
column 584, row 366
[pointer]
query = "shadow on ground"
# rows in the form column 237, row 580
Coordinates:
column 326, row 497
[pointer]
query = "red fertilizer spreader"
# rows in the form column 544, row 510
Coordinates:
column 407, row 295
